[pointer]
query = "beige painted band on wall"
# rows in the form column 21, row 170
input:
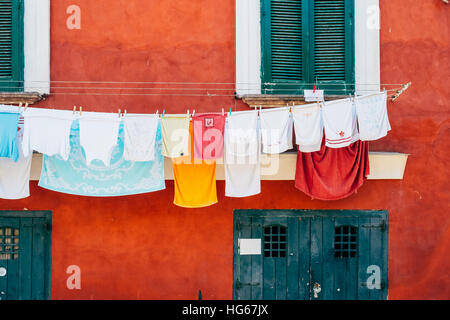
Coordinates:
column 383, row 166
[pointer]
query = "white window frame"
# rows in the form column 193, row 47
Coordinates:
column 37, row 46
column 248, row 46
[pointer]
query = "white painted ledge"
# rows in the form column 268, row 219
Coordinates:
column 383, row 166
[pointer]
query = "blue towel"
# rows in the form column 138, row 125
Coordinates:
column 121, row 178
column 8, row 135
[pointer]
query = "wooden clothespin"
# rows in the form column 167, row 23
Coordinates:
column 223, row 112
column 74, row 109
column 193, row 113
column 26, row 106
column 399, row 92
column 124, row 113
column 119, row 112
column 81, row 111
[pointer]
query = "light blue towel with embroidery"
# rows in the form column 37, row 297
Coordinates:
column 121, row 178
column 8, row 135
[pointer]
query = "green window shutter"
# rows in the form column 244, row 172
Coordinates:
column 286, row 40
column 11, row 45
column 332, row 44
column 304, row 41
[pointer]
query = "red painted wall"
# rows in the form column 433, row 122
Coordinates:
column 144, row 247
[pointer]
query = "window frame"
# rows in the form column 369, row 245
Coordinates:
column 248, row 48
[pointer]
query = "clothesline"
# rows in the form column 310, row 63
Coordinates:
column 104, row 154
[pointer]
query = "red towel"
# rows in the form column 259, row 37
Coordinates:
column 333, row 174
column 208, row 135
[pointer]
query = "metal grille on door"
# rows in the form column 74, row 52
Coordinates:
column 9, row 244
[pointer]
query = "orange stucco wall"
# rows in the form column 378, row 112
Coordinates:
column 145, row 247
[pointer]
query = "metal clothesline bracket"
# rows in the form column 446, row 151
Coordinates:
column 399, row 92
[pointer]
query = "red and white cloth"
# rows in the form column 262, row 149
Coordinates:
column 340, row 122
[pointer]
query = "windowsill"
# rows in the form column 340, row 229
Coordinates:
column 274, row 100
column 18, row 97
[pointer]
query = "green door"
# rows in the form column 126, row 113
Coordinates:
column 25, row 255
column 310, row 255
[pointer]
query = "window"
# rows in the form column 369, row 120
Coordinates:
column 11, row 45
column 9, row 244
column 275, row 242
column 345, row 242
column 335, row 41
column 307, row 41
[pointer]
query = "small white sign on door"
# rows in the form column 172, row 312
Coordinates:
column 313, row 96
column 249, row 246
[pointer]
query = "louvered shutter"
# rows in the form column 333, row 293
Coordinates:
column 304, row 41
column 332, row 45
column 11, row 45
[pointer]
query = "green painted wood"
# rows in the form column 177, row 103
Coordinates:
column 257, row 261
column 26, row 245
column 364, row 253
column 4, row 264
column 245, row 263
column 13, row 267
column 314, row 231
column 307, row 41
column 378, row 255
column 346, row 269
column 328, row 287
column 281, row 274
column 304, row 241
column 236, row 267
column 316, row 271
column 293, row 261
column 11, row 45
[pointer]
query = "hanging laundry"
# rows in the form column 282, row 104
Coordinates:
column 175, row 132
column 208, row 135
column 9, row 123
column 332, row 174
column 277, row 129
column 15, row 176
column 47, row 131
column 339, row 118
column 373, row 117
column 242, row 155
column 98, row 135
column 140, row 137
column 308, row 125
column 194, row 180
column 121, row 178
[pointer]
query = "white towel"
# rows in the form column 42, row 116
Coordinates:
column 140, row 137
column 308, row 125
column 242, row 155
column 98, row 135
column 47, row 131
column 373, row 117
column 277, row 128
column 339, row 119
column 241, row 134
column 15, row 176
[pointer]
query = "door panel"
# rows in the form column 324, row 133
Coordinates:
column 339, row 255
column 25, row 255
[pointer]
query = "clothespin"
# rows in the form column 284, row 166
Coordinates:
column 26, row 106
column 399, row 92
column 230, row 111
column 125, row 113
column 119, row 112
column 164, row 111
column 74, row 109
column 81, row 111
column 223, row 112
column 193, row 113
